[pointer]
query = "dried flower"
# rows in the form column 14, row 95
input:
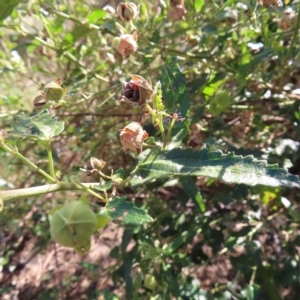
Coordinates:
column 94, row 165
column 137, row 90
column 289, row 19
column 267, row 3
column 126, row 44
column 177, row 12
column 132, row 137
column 127, row 11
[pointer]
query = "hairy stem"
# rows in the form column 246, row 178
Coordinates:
column 50, row 159
column 45, row 189
column 16, row 153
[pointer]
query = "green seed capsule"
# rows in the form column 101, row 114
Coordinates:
column 73, row 224
column 102, row 219
column 53, row 91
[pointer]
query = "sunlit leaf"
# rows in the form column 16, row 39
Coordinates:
column 126, row 212
column 7, row 7
column 41, row 126
column 228, row 168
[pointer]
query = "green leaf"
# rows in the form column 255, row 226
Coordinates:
column 228, row 168
column 119, row 176
column 96, row 15
column 126, row 212
column 7, row 7
column 175, row 93
column 251, row 292
column 198, row 5
column 188, row 183
column 41, row 126
column 103, row 186
column 220, row 102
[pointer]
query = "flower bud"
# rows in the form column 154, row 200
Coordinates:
column 137, row 90
column 132, row 137
column 127, row 11
column 54, row 91
column 126, row 44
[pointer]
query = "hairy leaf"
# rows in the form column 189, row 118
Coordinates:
column 41, row 126
column 228, row 168
column 126, row 212
column 175, row 93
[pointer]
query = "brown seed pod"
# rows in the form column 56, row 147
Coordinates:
column 137, row 90
column 127, row 11
column 73, row 224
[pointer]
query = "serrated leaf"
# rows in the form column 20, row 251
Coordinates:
column 41, row 126
column 104, row 186
column 228, row 168
column 7, row 7
column 126, row 212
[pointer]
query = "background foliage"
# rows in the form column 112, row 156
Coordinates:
column 233, row 72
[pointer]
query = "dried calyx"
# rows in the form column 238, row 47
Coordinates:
column 137, row 90
column 126, row 44
column 132, row 137
column 94, row 165
column 127, row 11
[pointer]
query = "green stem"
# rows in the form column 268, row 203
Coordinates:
column 16, row 153
column 45, row 189
column 170, row 130
column 105, row 176
column 159, row 121
column 87, row 189
column 50, row 159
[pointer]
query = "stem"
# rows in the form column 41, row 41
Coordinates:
column 170, row 130
column 45, row 189
column 105, row 176
column 159, row 121
column 16, row 153
column 50, row 159
column 87, row 189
